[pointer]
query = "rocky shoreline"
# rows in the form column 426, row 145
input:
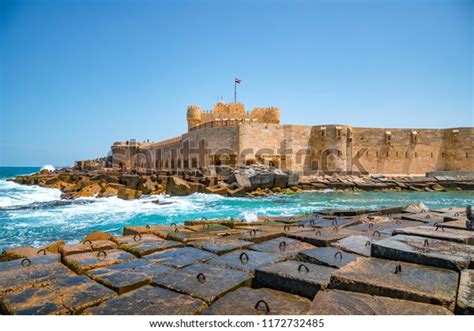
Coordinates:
column 390, row 261
column 257, row 180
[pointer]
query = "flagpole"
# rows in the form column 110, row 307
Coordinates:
column 235, row 91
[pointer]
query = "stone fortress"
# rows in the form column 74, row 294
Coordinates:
column 232, row 136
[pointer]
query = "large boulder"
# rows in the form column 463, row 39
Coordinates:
column 107, row 191
column 178, row 186
column 236, row 192
column 129, row 194
column 90, row 190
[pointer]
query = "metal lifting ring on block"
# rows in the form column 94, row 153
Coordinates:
column 338, row 254
column 398, row 269
column 173, row 224
column 351, row 209
column 334, row 222
column 303, row 266
column 318, row 233
column 253, row 233
column 286, row 228
column 176, row 229
column 203, row 218
column 266, row 220
column 27, row 260
column 201, row 278
column 367, row 243
column 87, row 241
column 41, row 250
column 137, row 235
column 426, row 243
column 243, row 254
column 388, row 215
column 301, row 225
column 376, row 232
column 147, row 226
column 100, row 253
column 398, row 222
column 282, row 246
column 335, row 229
column 371, row 226
column 456, row 214
column 428, row 216
column 439, row 227
column 264, row 303
column 311, row 222
column 370, row 217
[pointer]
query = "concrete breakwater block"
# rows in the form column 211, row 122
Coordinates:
column 282, row 246
column 264, row 301
column 384, row 227
column 147, row 229
column 424, row 217
column 327, row 256
column 87, row 246
column 70, row 295
column 150, row 300
column 208, row 227
column 128, row 276
column 258, row 234
column 179, row 257
column 438, row 232
column 460, row 225
column 221, row 246
column 465, row 301
column 203, row 281
column 141, row 245
column 339, row 222
column 384, row 278
column 294, row 277
column 355, row 244
column 320, row 238
column 24, row 252
column 87, row 261
column 432, row 252
column 246, row 260
column 188, row 236
column 25, row 273
column 335, row 302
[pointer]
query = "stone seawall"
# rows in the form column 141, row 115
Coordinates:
column 255, row 180
column 392, row 261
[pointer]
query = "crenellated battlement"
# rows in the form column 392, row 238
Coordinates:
column 222, row 111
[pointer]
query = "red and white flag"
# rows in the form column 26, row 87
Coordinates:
column 237, row 80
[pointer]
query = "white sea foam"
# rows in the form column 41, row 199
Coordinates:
column 13, row 194
column 48, row 167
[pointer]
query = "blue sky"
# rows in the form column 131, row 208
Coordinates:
column 78, row 75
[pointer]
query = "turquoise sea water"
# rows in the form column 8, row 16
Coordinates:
column 31, row 215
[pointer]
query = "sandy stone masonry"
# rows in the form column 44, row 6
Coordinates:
column 330, row 262
column 235, row 137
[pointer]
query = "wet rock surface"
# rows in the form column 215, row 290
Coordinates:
column 87, row 261
column 433, row 252
column 150, row 300
column 414, row 282
column 245, row 260
column 327, row 256
column 87, row 246
column 318, row 238
column 203, row 281
column 248, row 301
column 180, row 257
column 438, row 232
column 282, row 246
column 465, row 300
column 355, row 244
column 141, row 245
column 69, row 295
column 221, row 246
column 335, row 302
column 304, row 279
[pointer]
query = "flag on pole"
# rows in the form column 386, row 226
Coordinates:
column 237, row 80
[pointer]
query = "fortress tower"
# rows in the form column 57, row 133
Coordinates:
column 232, row 111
